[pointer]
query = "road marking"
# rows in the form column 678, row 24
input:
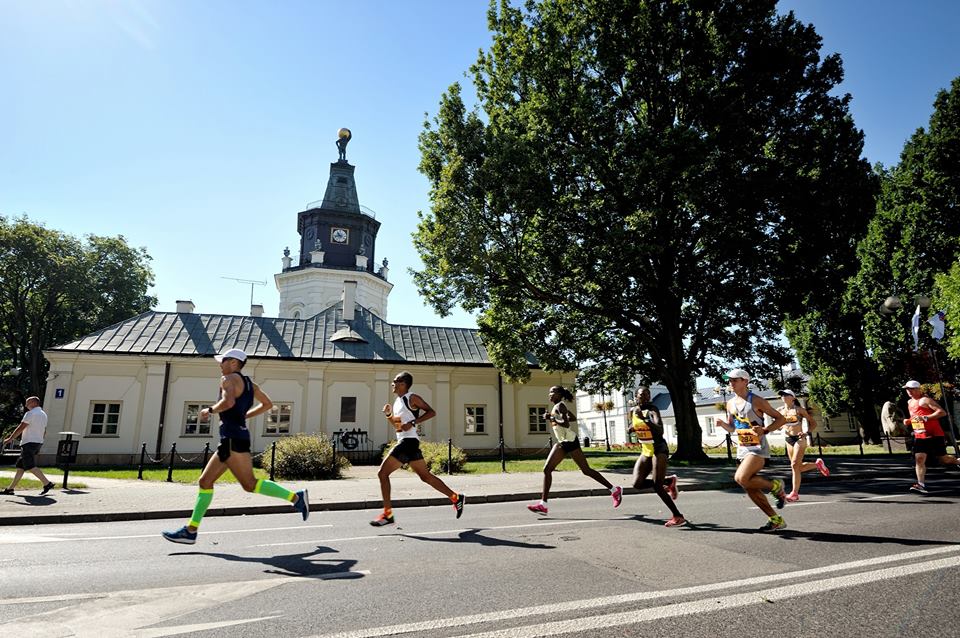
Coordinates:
column 17, row 539
column 159, row 632
column 444, row 531
column 621, row 599
column 786, row 593
column 122, row 613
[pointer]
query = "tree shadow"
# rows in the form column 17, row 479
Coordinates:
column 795, row 534
column 298, row 565
column 474, row 536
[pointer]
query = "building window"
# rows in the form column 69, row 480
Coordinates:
column 191, row 419
column 296, row 314
column 711, row 425
column 535, row 418
column 278, row 419
column 826, row 424
column 348, row 409
column 104, row 418
column 475, row 419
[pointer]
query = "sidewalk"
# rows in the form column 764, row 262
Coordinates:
column 116, row 500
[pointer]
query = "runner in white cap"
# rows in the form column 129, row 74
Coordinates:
column 928, row 437
column 796, row 440
column 239, row 399
column 745, row 411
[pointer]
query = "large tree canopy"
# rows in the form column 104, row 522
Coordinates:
column 914, row 236
column 638, row 188
column 55, row 288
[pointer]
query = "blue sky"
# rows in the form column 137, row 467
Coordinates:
column 199, row 129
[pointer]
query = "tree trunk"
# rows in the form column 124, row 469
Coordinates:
column 689, row 434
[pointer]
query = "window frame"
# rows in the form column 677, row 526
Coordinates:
column 278, row 405
column 535, row 413
column 480, row 419
column 92, row 411
column 209, row 424
column 342, row 420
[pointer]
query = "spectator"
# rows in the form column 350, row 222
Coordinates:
column 31, row 431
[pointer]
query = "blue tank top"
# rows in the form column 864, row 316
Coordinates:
column 233, row 422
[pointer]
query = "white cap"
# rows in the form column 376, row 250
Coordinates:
column 790, row 392
column 738, row 373
column 912, row 384
column 234, row 353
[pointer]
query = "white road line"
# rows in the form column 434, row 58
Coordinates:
column 442, row 531
column 49, row 599
column 605, row 601
column 711, row 605
column 160, row 632
column 17, row 539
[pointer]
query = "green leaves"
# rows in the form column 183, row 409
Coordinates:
column 614, row 200
column 55, row 288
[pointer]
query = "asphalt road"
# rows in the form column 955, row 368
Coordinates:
column 857, row 559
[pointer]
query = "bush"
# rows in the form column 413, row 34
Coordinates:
column 305, row 457
column 435, row 456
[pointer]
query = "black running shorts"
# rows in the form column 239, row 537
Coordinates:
column 407, row 450
column 228, row 446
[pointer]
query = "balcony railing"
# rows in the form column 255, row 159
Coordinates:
column 366, row 210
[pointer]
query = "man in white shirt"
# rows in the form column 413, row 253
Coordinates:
column 31, row 431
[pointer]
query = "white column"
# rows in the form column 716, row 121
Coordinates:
column 313, row 400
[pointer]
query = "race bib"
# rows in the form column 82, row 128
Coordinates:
column 792, row 418
column 642, row 428
column 919, row 426
column 745, row 434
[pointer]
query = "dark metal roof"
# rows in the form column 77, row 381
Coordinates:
column 171, row 333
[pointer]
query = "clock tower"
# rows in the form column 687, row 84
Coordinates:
column 338, row 239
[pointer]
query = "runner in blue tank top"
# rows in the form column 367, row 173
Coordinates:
column 239, row 399
column 745, row 412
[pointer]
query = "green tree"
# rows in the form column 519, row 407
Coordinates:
column 914, row 236
column 55, row 288
column 611, row 202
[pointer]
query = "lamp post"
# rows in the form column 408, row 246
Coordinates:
column 889, row 307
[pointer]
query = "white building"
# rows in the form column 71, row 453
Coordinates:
column 326, row 361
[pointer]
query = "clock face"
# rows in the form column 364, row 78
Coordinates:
column 339, row 235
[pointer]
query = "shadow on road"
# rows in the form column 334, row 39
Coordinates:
column 291, row 564
column 795, row 534
column 474, row 536
column 35, row 501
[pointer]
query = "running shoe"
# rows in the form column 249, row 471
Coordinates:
column 822, row 467
column 672, row 487
column 778, row 493
column 461, row 499
column 382, row 520
column 774, row 524
column 182, row 535
column 7, row 491
column 675, row 521
column 919, row 489
column 793, row 497
column 617, row 495
column 539, row 508
column 46, row 488
column 303, row 504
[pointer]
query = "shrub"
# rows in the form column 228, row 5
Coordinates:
column 435, row 456
column 305, row 457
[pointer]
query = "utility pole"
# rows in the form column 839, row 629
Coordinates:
column 252, row 282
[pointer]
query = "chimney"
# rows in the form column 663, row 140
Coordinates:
column 349, row 300
column 256, row 310
column 185, row 306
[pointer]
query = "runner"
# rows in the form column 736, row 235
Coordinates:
column 648, row 427
column 796, row 440
column 746, row 411
column 408, row 410
column 929, row 438
column 565, row 430
column 235, row 404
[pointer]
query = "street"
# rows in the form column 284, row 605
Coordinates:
column 857, row 559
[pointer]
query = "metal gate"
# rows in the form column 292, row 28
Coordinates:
column 357, row 447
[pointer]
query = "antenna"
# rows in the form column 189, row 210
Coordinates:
column 252, row 282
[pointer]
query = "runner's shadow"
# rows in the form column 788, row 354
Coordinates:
column 290, row 564
column 925, row 501
column 35, row 501
column 473, row 536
